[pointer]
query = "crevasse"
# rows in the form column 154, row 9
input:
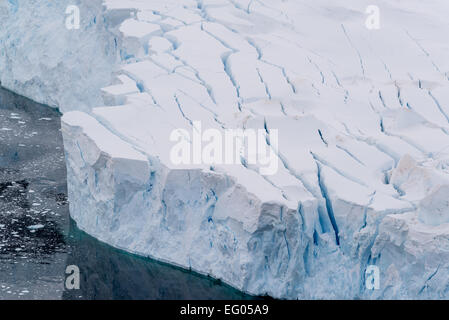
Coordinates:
column 363, row 135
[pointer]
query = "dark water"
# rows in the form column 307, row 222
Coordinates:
column 38, row 240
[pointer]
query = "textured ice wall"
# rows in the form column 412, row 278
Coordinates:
column 202, row 220
column 345, row 196
column 363, row 116
column 247, row 235
column 43, row 60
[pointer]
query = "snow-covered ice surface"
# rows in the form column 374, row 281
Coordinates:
column 362, row 117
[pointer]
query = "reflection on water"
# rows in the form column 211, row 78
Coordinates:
column 108, row 273
column 38, row 239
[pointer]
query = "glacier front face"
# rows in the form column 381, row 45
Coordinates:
column 362, row 118
column 40, row 58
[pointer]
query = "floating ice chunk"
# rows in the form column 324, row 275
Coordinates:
column 36, row 227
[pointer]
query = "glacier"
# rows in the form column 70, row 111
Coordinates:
column 362, row 117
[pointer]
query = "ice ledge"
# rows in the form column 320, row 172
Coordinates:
column 363, row 157
column 204, row 221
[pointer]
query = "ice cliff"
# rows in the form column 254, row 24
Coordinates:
column 362, row 118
